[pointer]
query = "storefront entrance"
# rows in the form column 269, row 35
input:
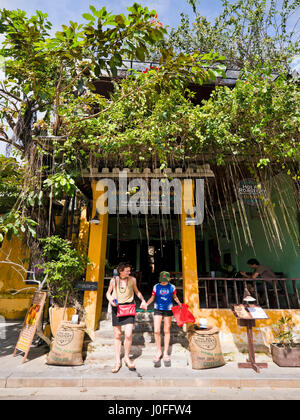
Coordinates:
column 148, row 254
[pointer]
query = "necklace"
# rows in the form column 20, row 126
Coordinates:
column 122, row 288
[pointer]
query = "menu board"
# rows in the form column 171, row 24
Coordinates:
column 31, row 322
column 257, row 312
column 249, row 312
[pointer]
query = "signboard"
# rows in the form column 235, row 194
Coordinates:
column 251, row 192
column 257, row 312
column 250, row 312
column 90, row 286
column 30, row 324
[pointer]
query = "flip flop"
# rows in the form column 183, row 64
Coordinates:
column 129, row 364
column 156, row 360
column 117, row 367
column 167, row 361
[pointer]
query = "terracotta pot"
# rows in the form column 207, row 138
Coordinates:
column 286, row 356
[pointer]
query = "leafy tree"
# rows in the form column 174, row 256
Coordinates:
column 11, row 184
column 159, row 124
column 146, row 101
column 62, row 266
column 251, row 31
column 11, row 181
column 44, row 72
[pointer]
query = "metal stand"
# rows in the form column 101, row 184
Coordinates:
column 251, row 363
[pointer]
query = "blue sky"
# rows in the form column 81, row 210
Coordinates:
column 61, row 11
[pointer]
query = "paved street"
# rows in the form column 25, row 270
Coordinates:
column 149, row 393
column 36, row 380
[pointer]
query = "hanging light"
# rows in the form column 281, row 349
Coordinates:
column 247, row 296
column 190, row 221
column 95, row 220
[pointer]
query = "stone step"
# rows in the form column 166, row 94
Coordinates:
column 138, row 338
column 109, row 332
column 147, row 348
column 141, row 324
column 101, row 351
column 141, row 358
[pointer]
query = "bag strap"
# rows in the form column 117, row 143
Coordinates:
column 115, row 286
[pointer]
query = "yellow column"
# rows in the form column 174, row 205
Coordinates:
column 189, row 256
column 83, row 236
column 96, row 254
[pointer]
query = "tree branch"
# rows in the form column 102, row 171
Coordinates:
column 74, row 80
column 11, row 95
column 11, row 142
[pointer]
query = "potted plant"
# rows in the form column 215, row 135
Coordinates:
column 285, row 352
column 62, row 266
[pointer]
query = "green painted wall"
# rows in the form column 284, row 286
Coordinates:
column 284, row 257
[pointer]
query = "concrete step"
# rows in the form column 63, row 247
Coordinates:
column 140, row 357
column 138, row 338
column 101, row 350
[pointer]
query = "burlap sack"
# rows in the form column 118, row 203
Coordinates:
column 66, row 349
column 205, row 348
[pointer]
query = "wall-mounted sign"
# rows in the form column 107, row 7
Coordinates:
column 31, row 322
column 250, row 191
column 86, row 286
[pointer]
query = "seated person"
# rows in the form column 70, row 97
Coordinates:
column 259, row 270
column 262, row 271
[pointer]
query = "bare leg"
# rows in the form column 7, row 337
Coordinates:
column 167, row 328
column 127, row 345
column 157, row 325
column 117, row 344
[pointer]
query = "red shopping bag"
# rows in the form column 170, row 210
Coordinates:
column 182, row 315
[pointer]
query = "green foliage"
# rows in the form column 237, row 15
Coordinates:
column 283, row 331
column 153, row 117
column 46, row 73
column 12, row 222
column 15, row 223
column 11, row 181
column 146, row 114
column 63, row 266
column 61, row 184
column 246, row 31
column 258, row 118
column 41, row 68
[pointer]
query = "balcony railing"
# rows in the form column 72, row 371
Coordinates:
column 221, row 292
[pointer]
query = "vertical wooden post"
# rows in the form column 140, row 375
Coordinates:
column 96, row 253
column 83, row 236
column 189, row 256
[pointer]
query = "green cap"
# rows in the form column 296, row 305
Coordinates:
column 164, row 276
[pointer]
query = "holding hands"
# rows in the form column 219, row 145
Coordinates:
column 144, row 305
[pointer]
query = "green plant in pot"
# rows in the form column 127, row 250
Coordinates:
column 63, row 266
column 285, row 352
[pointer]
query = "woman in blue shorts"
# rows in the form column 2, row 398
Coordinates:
column 162, row 295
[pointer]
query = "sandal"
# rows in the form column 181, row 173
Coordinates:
column 167, row 361
column 117, row 367
column 129, row 364
column 156, row 359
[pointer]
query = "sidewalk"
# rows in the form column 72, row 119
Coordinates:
column 35, row 373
